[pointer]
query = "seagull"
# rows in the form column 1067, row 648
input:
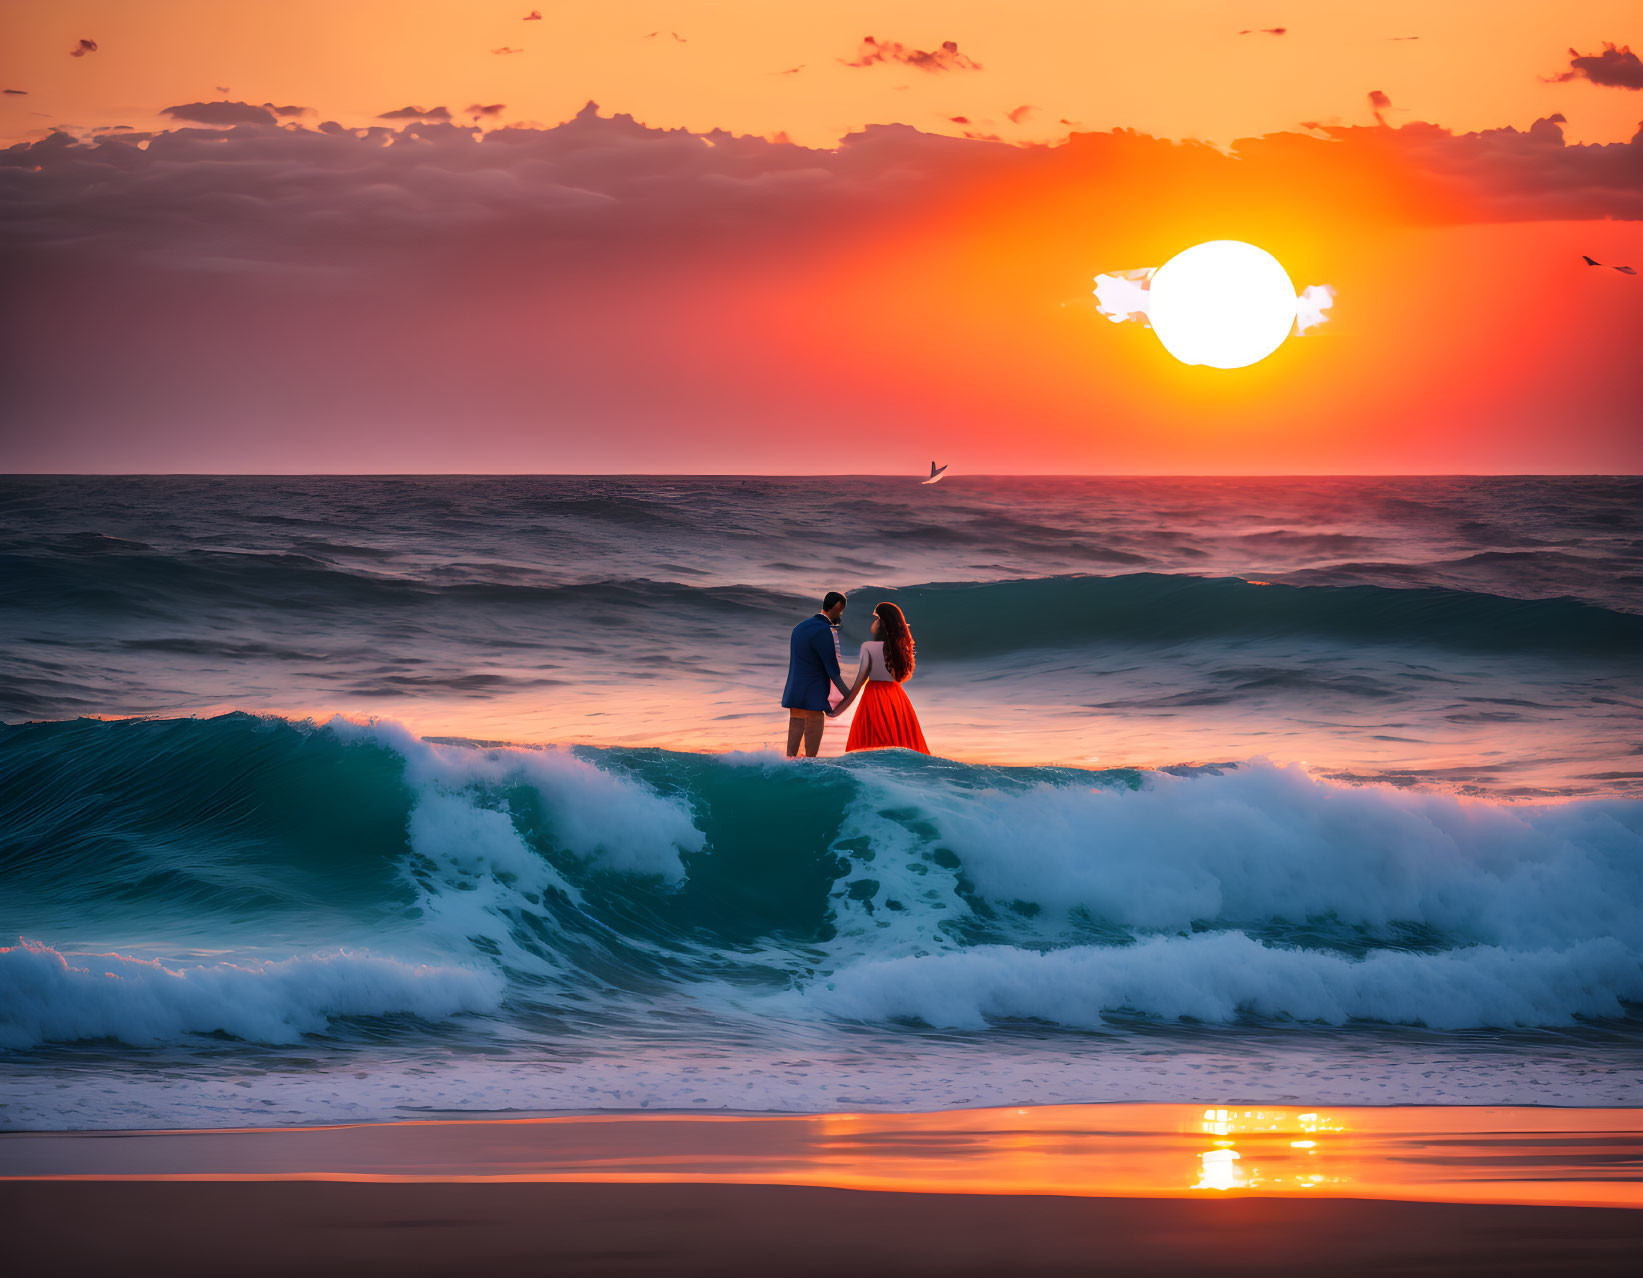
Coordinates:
column 936, row 472
column 1626, row 270
column 1590, row 261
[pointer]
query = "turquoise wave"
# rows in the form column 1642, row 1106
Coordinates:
column 542, row 887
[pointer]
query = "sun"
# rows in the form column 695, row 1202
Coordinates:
column 1223, row 303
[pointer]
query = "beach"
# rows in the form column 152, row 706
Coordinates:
column 196, row 1228
column 1045, row 1190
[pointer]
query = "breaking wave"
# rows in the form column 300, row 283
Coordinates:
column 49, row 996
column 346, row 879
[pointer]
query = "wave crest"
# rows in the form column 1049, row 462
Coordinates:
column 610, row 882
column 50, row 996
column 1227, row 977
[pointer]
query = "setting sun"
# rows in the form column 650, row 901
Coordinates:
column 1225, row 303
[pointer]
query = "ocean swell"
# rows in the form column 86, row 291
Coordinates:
column 968, row 619
column 136, row 590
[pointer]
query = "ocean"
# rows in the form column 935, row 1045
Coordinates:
column 330, row 799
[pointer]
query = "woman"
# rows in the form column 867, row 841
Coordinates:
column 886, row 716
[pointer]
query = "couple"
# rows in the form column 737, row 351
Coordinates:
column 886, row 716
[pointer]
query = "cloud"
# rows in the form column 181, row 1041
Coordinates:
column 1126, row 296
column 305, row 208
column 1505, row 175
column 1379, row 102
column 504, row 50
column 599, row 188
column 492, row 111
column 535, row 15
column 1615, row 68
column 1548, row 129
column 958, row 119
column 1020, row 114
column 1271, row 31
column 946, row 58
column 1310, row 306
column 223, row 114
column 20, row 92
column 416, row 113
column 793, row 70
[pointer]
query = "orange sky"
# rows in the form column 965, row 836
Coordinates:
column 1173, row 68
column 594, row 296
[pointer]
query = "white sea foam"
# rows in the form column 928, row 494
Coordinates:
column 594, row 814
column 1501, row 914
column 480, row 886
column 51, row 996
column 1223, row 976
column 1260, row 842
column 474, row 876
column 783, row 1076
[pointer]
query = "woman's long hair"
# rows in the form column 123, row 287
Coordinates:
column 898, row 641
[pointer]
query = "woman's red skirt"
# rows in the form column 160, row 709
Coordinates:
column 885, row 718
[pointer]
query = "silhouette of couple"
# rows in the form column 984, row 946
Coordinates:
column 885, row 717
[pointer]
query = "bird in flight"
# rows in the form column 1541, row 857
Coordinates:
column 936, row 473
column 1590, row 261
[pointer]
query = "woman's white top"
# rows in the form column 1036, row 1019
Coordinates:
column 872, row 652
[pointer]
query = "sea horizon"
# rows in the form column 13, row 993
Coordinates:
column 820, row 474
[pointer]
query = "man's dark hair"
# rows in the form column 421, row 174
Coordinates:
column 832, row 597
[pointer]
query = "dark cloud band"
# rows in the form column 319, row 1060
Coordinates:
column 311, row 197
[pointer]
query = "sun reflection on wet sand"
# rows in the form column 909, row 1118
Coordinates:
column 1279, row 1171
column 1482, row 1155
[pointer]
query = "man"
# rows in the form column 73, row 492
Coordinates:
column 813, row 661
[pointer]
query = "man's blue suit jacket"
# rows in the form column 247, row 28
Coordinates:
column 812, row 666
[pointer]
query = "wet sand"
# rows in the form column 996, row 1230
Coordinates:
column 1471, row 1154
column 1047, row 1190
